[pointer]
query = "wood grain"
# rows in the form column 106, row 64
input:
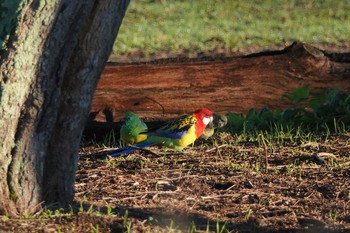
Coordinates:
column 163, row 90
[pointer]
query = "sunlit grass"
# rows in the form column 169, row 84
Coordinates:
column 204, row 25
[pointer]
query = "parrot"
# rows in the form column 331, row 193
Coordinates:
column 208, row 131
column 219, row 121
column 133, row 129
column 176, row 134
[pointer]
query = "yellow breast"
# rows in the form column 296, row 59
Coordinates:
column 179, row 144
column 186, row 139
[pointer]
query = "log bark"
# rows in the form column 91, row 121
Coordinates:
column 165, row 88
column 50, row 64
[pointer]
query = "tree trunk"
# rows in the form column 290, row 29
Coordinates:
column 50, row 64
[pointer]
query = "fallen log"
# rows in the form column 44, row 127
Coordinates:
column 164, row 89
column 167, row 88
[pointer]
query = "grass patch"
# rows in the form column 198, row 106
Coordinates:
column 195, row 26
column 326, row 112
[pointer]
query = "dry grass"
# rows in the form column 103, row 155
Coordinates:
column 209, row 188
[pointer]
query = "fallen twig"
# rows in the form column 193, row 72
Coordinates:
column 217, row 147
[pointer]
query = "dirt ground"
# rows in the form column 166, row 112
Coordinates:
column 305, row 187
column 208, row 188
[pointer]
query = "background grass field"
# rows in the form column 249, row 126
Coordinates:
column 152, row 26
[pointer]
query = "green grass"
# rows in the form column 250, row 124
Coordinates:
column 203, row 25
column 327, row 111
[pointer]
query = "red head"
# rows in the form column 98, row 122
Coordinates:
column 204, row 116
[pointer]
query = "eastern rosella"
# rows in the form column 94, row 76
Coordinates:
column 209, row 131
column 133, row 129
column 219, row 121
column 176, row 134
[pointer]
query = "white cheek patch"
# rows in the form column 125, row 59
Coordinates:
column 206, row 120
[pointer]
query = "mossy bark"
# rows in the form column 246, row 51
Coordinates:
column 50, row 64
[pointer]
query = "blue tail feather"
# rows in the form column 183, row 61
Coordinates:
column 121, row 151
column 129, row 150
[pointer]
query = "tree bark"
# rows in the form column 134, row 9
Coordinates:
column 166, row 88
column 50, row 64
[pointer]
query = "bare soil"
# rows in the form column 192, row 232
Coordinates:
column 305, row 188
